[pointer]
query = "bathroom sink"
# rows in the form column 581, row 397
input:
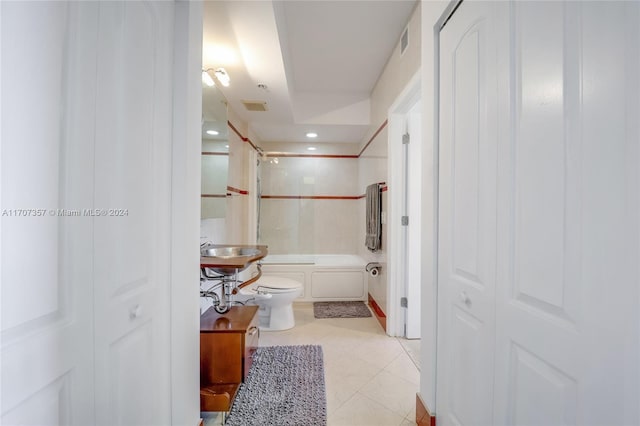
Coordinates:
column 229, row 252
column 229, row 259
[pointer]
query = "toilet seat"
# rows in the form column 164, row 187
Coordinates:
column 276, row 285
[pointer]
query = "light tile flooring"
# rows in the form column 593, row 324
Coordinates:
column 371, row 378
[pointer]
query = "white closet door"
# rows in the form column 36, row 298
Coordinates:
column 564, row 347
column 86, row 141
column 567, row 294
column 132, row 247
column 467, row 217
column 46, row 358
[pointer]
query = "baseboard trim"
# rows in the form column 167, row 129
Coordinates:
column 423, row 415
column 378, row 312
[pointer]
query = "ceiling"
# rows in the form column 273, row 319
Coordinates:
column 318, row 62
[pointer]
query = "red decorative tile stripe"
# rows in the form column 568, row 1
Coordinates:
column 321, row 197
column 383, row 189
column 311, row 197
column 244, row 139
column 382, row 126
column 377, row 311
column 423, row 415
column 215, row 153
column 213, row 195
column 237, row 191
column 294, row 155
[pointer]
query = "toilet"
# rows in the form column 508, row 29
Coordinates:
column 274, row 296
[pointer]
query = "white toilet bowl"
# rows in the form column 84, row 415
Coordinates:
column 276, row 311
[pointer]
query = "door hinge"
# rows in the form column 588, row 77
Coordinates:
column 406, row 138
column 405, row 220
column 403, row 302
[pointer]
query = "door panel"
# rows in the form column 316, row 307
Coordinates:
column 565, row 337
column 466, row 259
column 560, row 294
column 85, row 287
column 538, row 313
column 132, row 163
column 537, row 305
column 469, row 378
column 544, row 240
column 553, row 390
column 47, row 365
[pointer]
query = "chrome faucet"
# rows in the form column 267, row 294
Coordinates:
column 207, row 242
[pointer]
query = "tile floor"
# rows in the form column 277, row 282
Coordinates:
column 371, row 378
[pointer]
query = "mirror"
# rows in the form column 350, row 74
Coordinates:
column 215, row 154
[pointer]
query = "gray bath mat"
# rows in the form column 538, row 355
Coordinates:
column 285, row 386
column 340, row 310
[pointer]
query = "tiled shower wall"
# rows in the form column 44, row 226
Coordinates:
column 310, row 205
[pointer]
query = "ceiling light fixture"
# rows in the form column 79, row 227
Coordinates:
column 222, row 76
column 213, row 132
column 206, row 78
column 312, row 135
column 312, row 148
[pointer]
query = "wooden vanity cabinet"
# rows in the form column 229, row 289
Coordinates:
column 227, row 343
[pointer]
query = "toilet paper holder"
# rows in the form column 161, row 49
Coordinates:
column 373, row 268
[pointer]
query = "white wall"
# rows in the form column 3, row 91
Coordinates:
column 373, row 165
column 398, row 71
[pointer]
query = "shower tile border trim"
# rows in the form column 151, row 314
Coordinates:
column 294, row 155
column 215, row 153
column 271, row 154
column 321, row 197
column 237, row 190
column 244, row 139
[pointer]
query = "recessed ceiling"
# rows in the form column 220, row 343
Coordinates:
column 319, row 61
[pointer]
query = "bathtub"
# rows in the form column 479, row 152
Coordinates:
column 325, row 277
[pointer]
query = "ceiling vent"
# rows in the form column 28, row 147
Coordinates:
column 255, row 105
column 404, row 41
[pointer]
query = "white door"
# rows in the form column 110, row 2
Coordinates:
column 413, row 253
column 563, row 347
column 47, row 294
column 567, row 305
column 467, row 217
column 86, row 128
column 132, row 247
column 404, row 274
